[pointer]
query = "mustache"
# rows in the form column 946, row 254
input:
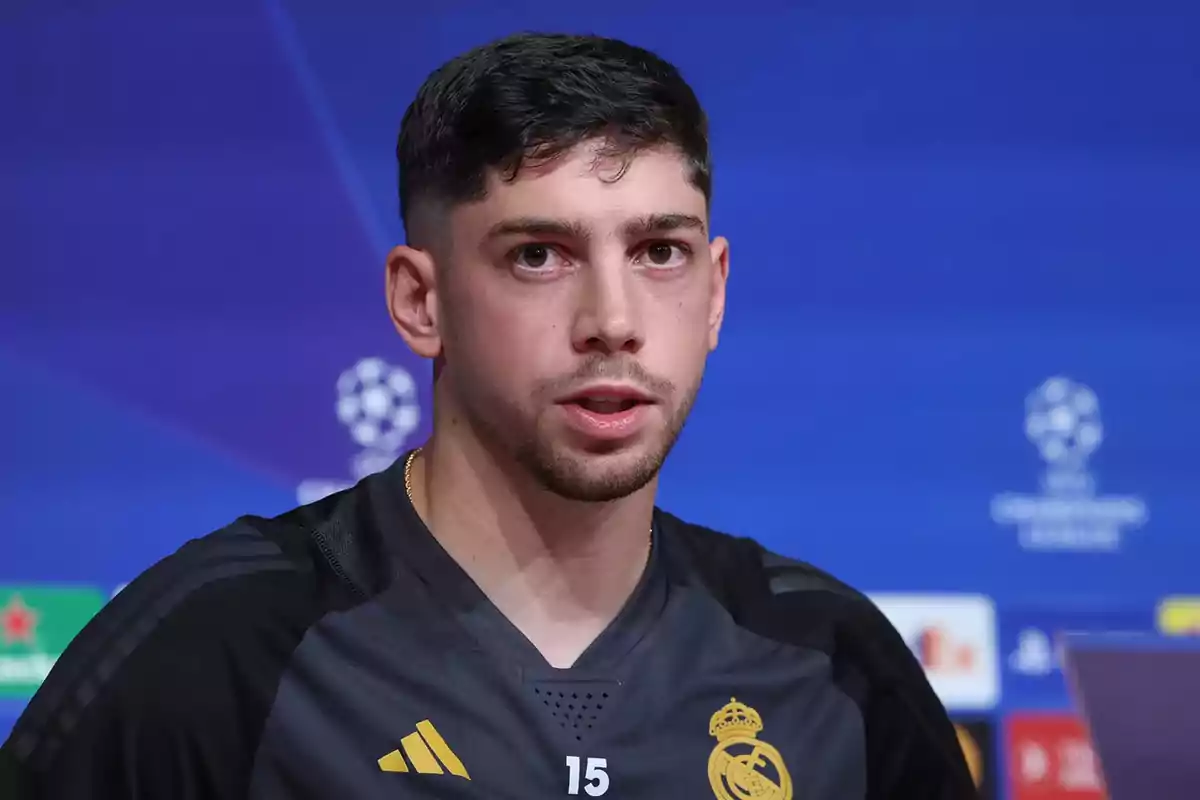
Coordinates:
column 623, row 369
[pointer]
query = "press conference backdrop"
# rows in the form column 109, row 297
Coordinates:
column 961, row 366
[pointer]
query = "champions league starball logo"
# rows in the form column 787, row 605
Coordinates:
column 377, row 402
column 1062, row 420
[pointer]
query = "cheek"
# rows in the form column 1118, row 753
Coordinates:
column 677, row 339
column 500, row 339
column 692, row 311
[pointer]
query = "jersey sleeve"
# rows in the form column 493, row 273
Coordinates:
column 913, row 749
column 165, row 692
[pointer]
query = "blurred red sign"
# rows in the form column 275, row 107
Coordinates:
column 1050, row 757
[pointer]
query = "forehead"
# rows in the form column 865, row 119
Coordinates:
column 599, row 191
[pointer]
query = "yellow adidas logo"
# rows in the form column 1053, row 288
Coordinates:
column 427, row 751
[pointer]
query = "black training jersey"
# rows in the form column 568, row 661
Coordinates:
column 337, row 651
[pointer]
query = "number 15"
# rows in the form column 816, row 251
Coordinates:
column 597, row 778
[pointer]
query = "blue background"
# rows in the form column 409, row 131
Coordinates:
column 932, row 209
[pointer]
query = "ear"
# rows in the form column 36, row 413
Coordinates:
column 412, row 299
column 718, row 252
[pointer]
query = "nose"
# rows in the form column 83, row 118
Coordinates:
column 608, row 319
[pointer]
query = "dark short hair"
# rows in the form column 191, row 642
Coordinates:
column 532, row 96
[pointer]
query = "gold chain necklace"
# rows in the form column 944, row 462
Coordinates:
column 408, row 490
column 408, row 462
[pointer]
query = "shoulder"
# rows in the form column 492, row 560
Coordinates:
column 912, row 749
column 189, row 652
column 743, row 573
column 797, row 603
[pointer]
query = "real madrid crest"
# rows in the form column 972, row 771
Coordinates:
column 741, row 766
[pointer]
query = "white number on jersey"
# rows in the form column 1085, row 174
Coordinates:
column 595, row 776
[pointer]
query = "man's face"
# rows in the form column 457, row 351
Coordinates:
column 577, row 307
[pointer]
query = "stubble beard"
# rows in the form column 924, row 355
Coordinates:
column 573, row 476
column 576, row 476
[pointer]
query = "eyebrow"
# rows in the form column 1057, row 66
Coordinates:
column 573, row 229
column 661, row 223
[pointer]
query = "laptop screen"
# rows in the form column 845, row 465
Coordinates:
column 1140, row 697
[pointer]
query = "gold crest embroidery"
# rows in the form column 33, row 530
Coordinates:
column 741, row 766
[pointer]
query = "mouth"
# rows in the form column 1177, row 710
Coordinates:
column 606, row 400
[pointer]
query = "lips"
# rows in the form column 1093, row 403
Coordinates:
column 608, row 414
column 608, row 400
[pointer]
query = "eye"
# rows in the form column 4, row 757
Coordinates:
column 664, row 255
column 536, row 257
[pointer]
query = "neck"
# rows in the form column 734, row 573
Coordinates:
column 559, row 570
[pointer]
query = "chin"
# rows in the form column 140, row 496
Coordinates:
column 594, row 476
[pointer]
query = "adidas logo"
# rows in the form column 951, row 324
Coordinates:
column 427, row 752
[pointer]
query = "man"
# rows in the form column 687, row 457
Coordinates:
column 504, row 613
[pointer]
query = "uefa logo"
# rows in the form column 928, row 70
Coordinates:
column 377, row 404
column 1062, row 420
